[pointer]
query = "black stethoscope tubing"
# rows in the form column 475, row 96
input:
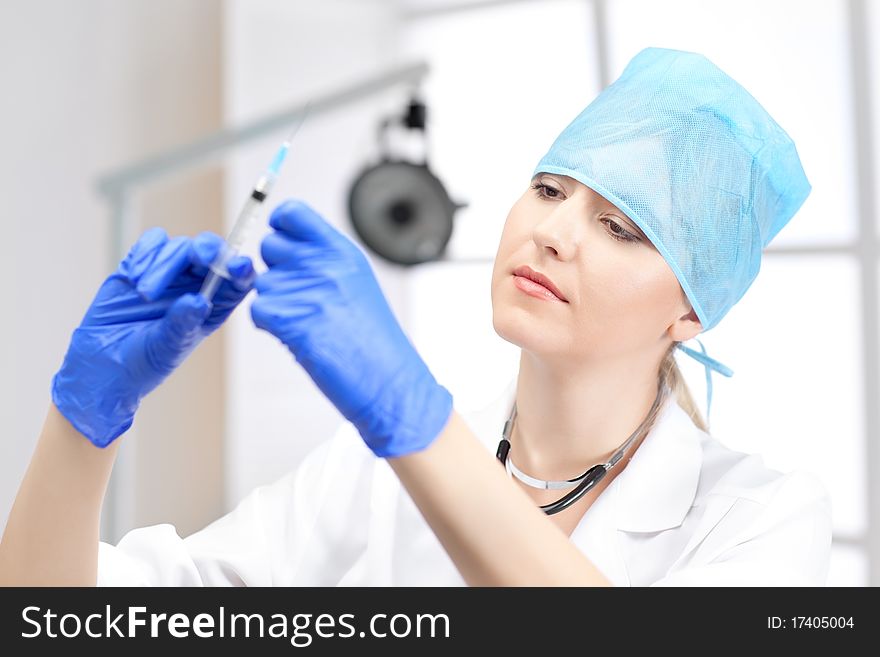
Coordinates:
column 592, row 476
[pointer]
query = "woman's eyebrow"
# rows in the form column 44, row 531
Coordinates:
column 540, row 174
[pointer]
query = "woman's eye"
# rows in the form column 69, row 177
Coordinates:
column 544, row 191
column 618, row 232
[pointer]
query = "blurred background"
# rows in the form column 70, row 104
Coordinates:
column 117, row 116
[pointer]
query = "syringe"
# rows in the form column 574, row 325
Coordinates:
column 247, row 217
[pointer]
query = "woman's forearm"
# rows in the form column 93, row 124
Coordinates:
column 52, row 534
column 493, row 532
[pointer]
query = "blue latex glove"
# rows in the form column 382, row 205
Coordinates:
column 144, row 321
column 321, row 299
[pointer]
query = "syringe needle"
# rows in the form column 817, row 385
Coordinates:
column 302, row 119
column 275, row 167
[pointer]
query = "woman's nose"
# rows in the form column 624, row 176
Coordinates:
column 559, row 230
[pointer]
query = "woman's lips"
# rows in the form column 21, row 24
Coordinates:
column 534, row 289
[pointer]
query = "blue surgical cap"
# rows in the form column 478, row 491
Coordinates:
column 696, row 162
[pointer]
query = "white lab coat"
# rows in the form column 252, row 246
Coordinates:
column 686, row 511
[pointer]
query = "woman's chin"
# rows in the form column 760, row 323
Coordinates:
column 528, row 336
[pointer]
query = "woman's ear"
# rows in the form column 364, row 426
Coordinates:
column 685, row 327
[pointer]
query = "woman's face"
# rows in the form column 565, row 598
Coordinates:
column 620, row 295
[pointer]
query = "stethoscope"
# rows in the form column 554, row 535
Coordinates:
column 584, row 483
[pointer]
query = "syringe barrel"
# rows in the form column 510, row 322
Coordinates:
column 218, row 271
column 211, row 285
column 244, row 224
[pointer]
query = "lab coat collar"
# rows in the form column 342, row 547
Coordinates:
column 657, row 488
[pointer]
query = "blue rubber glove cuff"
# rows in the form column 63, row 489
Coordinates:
column 401, row 429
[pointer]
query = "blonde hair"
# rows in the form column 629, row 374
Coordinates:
column 671, row 375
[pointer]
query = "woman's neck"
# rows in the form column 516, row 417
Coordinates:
column 571, row 418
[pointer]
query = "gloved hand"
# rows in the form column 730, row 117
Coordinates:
column 144, row 321
column 321, row 298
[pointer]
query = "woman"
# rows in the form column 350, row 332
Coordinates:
column 643, row 225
